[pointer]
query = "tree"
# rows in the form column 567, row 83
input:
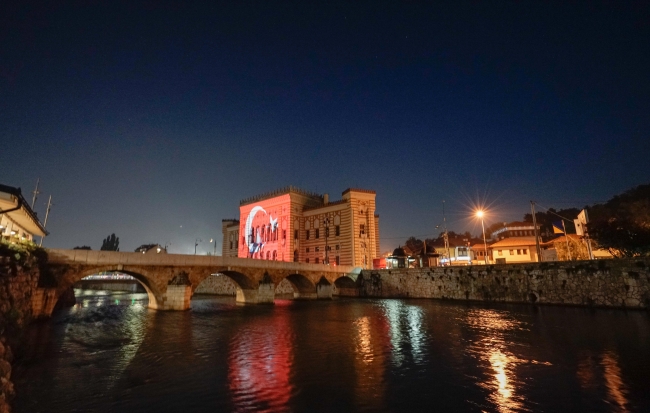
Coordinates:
column 111, row 243
column 413, row 246
column 546, row 219
column 85, row 247
column 622, row 224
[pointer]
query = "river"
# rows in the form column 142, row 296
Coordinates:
column 110, row 353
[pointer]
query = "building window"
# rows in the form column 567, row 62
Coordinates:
column 230, row 244
column 512, row 252
column 317, row 233
column 316, row 260
column 338, row 261
column 462, row 252
column 337, row 247
column 307, row 234
column 337, row 230
column 362, row 229
column 307, row 249
column 295, row 255
column 525, row 251
column 518, row 252
column 275, row 255
column 284, row 234
column 327, row 231
column 295, row 234
column 317, row 249
column 307, row 260
column 500, row 252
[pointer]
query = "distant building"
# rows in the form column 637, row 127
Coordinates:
column 513, row 250
column 458, row 252
column 230, row 230
column 17, row 219
column 291, row 224
column 151, row 249
column 514, row 229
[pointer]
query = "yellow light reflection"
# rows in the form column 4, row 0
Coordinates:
column 364, row 345
column 615, row 387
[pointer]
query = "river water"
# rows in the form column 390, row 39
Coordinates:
column 110, row 353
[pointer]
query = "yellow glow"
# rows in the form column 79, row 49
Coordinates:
column 479, row 213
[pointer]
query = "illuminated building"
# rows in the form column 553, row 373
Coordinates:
column 291, row 224
column 230, row 230
column 17, row 220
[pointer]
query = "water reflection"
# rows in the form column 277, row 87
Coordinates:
column 590, row 370
column 370, row 340
column 260, row 363
column 492, row 329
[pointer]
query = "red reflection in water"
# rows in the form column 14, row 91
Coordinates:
column 260, row 363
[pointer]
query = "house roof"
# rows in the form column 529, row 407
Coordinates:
column 514, row 242
column 16, row 207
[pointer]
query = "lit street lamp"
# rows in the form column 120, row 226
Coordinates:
column 196, row 244
column 215, row 245
column 480, row 214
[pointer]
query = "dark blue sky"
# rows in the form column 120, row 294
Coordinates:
column 153, row 121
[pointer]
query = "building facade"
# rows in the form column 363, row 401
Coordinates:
column 291, row 224
column 18, row 222
column 230, row 230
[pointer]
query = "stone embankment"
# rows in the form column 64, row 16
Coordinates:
column 19, row 277
column 623, row 283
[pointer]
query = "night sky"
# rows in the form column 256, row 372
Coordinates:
column 153, row 121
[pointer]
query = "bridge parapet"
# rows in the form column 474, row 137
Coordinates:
column 255, row 279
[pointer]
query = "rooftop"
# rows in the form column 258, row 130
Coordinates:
column 514, row 242
column 281, row 191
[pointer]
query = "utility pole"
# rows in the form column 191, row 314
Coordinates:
column 47, row 214
column 539, row 251
column 35, row 192
column 444, row 221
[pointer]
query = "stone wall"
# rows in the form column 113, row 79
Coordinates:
column 222, row 285
column 607, row 283
column 19, row 275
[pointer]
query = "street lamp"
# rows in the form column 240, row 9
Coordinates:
column 215, row 245
column 480, row 214
column 196, row 244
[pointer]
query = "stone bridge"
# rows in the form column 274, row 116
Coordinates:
column 171, row 279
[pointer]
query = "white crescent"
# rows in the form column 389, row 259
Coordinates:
column 249, row 221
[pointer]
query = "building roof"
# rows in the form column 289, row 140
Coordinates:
column 16, row 207
column 514, row 242
column 281, row 191
column 367, row 191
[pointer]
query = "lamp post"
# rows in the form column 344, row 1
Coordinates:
column 480, row 214
column 215, row 245
column 196, row 244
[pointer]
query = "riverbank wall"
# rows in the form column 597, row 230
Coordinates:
column 20, row 270
column 616, row 283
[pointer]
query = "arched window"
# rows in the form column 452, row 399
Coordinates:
column 267, row 254
column 275, row 255
column 295, row 255
column 263, row 234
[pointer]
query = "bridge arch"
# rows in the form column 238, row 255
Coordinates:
column 303, row 287
column 154, row 294
column 346, row 285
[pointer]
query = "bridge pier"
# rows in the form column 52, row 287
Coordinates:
column 324, row 289
column 265, row 294
column 324, row 292
column 43, row 302
column 177, row 298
